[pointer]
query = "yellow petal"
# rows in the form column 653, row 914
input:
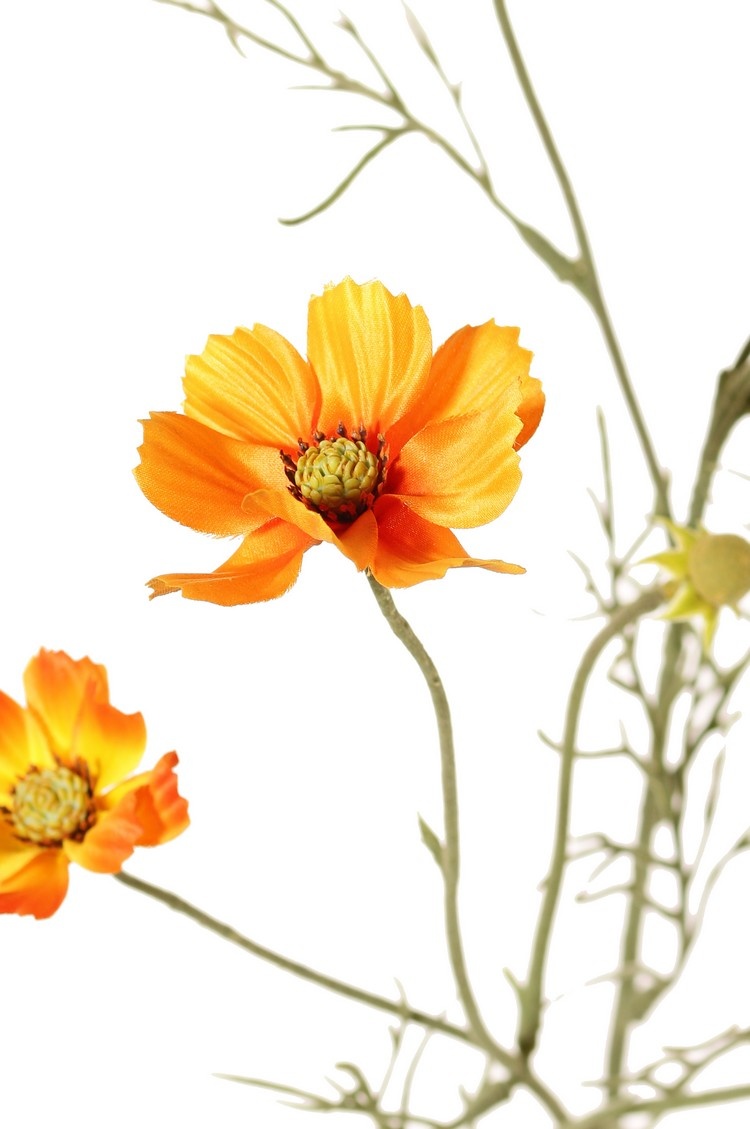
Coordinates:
column 252, row 385
column 55, row 688
column 371, row 353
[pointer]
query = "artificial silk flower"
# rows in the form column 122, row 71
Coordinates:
column 63, row 798
column 373, row 445
column 710, row 570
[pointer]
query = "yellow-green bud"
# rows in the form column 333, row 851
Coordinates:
column 719, row 567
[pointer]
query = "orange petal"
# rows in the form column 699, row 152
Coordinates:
column 112, row 743
column 55, row 688
column 110, row 841
column 266, row 565
column 254, row 386
column 356, row 541
column 198, row 476
column 15, row 853
column 371, row 353
column 39, row 887
column 411, row 549
column 479, row 368
column 22, row 744
column 160, row 810
column 462, row 472
column 530, row 409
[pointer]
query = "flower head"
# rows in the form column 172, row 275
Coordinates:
column 711, row 571
column 372, row 445
column 63, row 798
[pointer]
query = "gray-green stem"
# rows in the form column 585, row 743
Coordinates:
column 331, row 983
column 531, row 994
column 450, row 859
column 589, row 284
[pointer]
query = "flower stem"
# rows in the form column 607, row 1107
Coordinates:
column 588, row 282
column 450, row 855
column 531, row 993
column 517, row 1065
column 227, row 933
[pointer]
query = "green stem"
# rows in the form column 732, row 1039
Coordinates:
column 632, row 1003
column 451, row 851
column 532, row 992
column 227, row 933
column 674, row 1101
column 588, row 284
column 517, row 1066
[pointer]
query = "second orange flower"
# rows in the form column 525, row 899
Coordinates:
column 373, row 445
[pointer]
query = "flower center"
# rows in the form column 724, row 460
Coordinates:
column 339, row 477
column 52, row 804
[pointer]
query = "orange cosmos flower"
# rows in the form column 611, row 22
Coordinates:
column 60, row 760
column 373, row 445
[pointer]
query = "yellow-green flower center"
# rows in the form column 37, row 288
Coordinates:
column 52, row 804
column 339, row 477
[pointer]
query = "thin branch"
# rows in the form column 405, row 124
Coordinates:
column 531, row 993
column 227, row 933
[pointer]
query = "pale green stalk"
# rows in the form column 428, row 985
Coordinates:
column 227, row 933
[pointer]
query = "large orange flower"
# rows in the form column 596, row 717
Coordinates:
column 60, row 760
column 373, row 445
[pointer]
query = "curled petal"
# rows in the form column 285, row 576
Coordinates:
column 39, row 887
column 371, row 353
column 411, row 549
column 462, row 472
column 530, row 410
column 55, row 688
column 198, row 476
column 266, row 565
column 253, row 385
column 159, row 808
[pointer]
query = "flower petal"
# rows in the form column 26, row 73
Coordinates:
column 371, row 353
column 15, row 853
column 530, row 410
column 356, row 541
column 110, row 841
column 478, row 369
column 411, row 549
column 462, row 472
column 198, row 476
column 159, row 808
column 37, row 888
column 253, row 385
column 265, row 566
column 22, row 744
column 55, row 688
column 112, row 743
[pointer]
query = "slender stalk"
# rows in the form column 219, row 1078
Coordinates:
column 517, row 1066
column 532, row 991
column 590, row 286
column 227, row 933
column 451, row 851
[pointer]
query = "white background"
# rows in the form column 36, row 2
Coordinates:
column 145, row 164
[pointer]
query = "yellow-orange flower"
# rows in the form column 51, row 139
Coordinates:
column 372, row 445
column 62, row 794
